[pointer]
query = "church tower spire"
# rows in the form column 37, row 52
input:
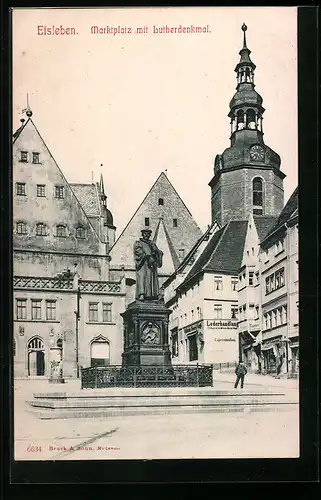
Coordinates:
column 246, row 110
column 248, row 165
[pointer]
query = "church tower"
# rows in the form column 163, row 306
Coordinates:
column 247, row 176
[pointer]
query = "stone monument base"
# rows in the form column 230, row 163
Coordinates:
column 146, row 334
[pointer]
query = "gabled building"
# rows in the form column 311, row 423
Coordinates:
column 63, row 295
column 173, row 230
column 203, row 324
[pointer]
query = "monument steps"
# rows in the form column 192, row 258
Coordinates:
column 51, row 406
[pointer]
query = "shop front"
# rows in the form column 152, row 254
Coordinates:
column 194, row 342
column 275, row 356
column 294, row 356
column 251, row 353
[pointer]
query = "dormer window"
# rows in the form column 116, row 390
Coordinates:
column 61, row 231
column 24, row 156
column 35, row 157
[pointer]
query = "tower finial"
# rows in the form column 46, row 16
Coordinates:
column 28, row 110
column 244, row 28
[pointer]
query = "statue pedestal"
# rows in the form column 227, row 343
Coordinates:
column 146, row 334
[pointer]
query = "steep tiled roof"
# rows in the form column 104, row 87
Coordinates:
column 264, row 225
column 229, row 252
column 290, row 207
column 88, row 198
column 224, row 251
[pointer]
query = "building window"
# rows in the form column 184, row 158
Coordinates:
column 257, row 196
column 41, row 229
column 160, row 201
column 251, row 278
column 234, row 282
column 147, row 221
column 80, row 233
column 35, row 158
column 59, row 192
column 61, row 231
column 21, row 188
column 107, row 312
column 217, row 311
column 193, row 351
column 24, row 156
column 93, row 312
column 21, row 308
column 274, row 281
column 14, row 347
column 285, row 314
column 51, row 310
column 174, row 222
column 234, row 311
column 100, row 352
column 181, row 253
column 41, row 190
column 36, row 309
column 192, row 315
column 21, row 228
column 218, row 283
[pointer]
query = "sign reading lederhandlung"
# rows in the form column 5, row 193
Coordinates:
column 221, row 323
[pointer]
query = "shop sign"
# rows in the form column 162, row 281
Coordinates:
column 228, row 324
column 192, row 327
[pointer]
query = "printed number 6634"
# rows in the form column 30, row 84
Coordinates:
column 33, row 448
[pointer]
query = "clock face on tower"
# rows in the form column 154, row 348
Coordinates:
column 257, row 153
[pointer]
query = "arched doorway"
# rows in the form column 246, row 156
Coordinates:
column 36, row 357
column 99, row 352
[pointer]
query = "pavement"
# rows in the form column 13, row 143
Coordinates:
column 209, row 435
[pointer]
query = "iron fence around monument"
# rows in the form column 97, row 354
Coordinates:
column 96, row 377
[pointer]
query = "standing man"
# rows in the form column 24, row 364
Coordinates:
column 240, row 372
column 147, row 259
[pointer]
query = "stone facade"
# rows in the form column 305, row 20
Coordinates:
column 232, row 193
column 171, row 223
column 64, row 300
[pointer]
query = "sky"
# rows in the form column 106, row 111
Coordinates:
column 142, row 103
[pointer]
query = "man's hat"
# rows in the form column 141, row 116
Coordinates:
column 146, row 230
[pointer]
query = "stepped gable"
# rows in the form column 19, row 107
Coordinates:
column 164, row 212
